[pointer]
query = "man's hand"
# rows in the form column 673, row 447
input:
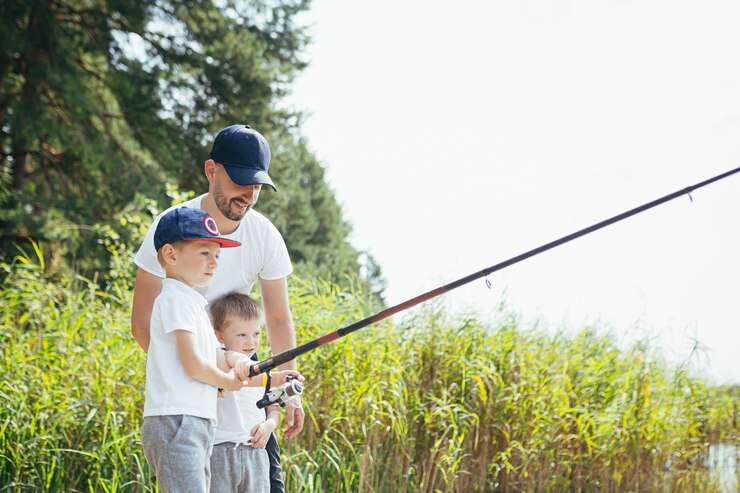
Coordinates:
column 294, row 417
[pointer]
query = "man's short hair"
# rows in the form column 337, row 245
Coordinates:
column 234, row 305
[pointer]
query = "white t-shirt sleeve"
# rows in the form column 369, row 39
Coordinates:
column 146, row 257
column 177, row 316
column 277, row 261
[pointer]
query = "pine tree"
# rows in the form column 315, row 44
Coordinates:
column 103, row 102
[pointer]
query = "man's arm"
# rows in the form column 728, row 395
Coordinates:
column 280, row 330
column 281, row 334
column 146, row 288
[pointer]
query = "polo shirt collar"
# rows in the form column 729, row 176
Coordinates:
column 171, row 284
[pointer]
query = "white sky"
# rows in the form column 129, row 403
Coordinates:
column 458, row 134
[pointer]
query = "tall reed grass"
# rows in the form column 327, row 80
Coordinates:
column 431, row 404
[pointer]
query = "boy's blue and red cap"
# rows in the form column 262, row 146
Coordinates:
column 185, row 223
column 245, row 155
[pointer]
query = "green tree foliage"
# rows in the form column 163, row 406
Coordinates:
column 104, row 103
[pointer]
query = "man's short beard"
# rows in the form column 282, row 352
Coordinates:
column 224, row 206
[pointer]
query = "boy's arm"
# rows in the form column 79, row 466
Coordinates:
column 240, row 363
column 199, row 369
column 233, row 358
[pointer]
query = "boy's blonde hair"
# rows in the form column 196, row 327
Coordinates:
column 234, row 304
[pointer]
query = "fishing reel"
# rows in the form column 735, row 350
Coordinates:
column 283, row 394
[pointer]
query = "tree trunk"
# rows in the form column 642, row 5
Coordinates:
column 32, row 59
column 20, row 161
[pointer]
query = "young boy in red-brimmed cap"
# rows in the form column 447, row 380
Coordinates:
column 185, row 366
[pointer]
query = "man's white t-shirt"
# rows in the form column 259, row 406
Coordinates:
column 169, row 390
column 262, row 254
column 237, row 415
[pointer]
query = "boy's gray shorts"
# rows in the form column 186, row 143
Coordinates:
column 178, row 448
column 239, row 468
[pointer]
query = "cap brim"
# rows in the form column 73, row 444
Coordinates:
column 223, row 242
column 248, row 176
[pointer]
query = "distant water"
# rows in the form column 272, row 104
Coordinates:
column 722, row 462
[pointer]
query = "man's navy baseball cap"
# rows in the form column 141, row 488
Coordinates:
column 244, row 153
column 185, row 223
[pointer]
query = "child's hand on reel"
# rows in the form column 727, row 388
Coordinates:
column 279, row 377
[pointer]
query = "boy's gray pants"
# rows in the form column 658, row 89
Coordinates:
column 178, row 449
column 239, row 468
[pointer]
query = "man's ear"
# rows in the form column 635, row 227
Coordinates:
column 209, row 168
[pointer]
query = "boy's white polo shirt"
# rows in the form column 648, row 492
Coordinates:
column 169, row 390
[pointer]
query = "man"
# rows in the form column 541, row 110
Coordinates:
column 236, row 170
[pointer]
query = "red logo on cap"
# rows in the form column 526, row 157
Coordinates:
column 211, row 225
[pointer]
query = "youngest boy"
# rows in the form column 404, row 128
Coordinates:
column 239, row 462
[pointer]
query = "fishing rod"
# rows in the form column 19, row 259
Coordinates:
column 284, row 357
